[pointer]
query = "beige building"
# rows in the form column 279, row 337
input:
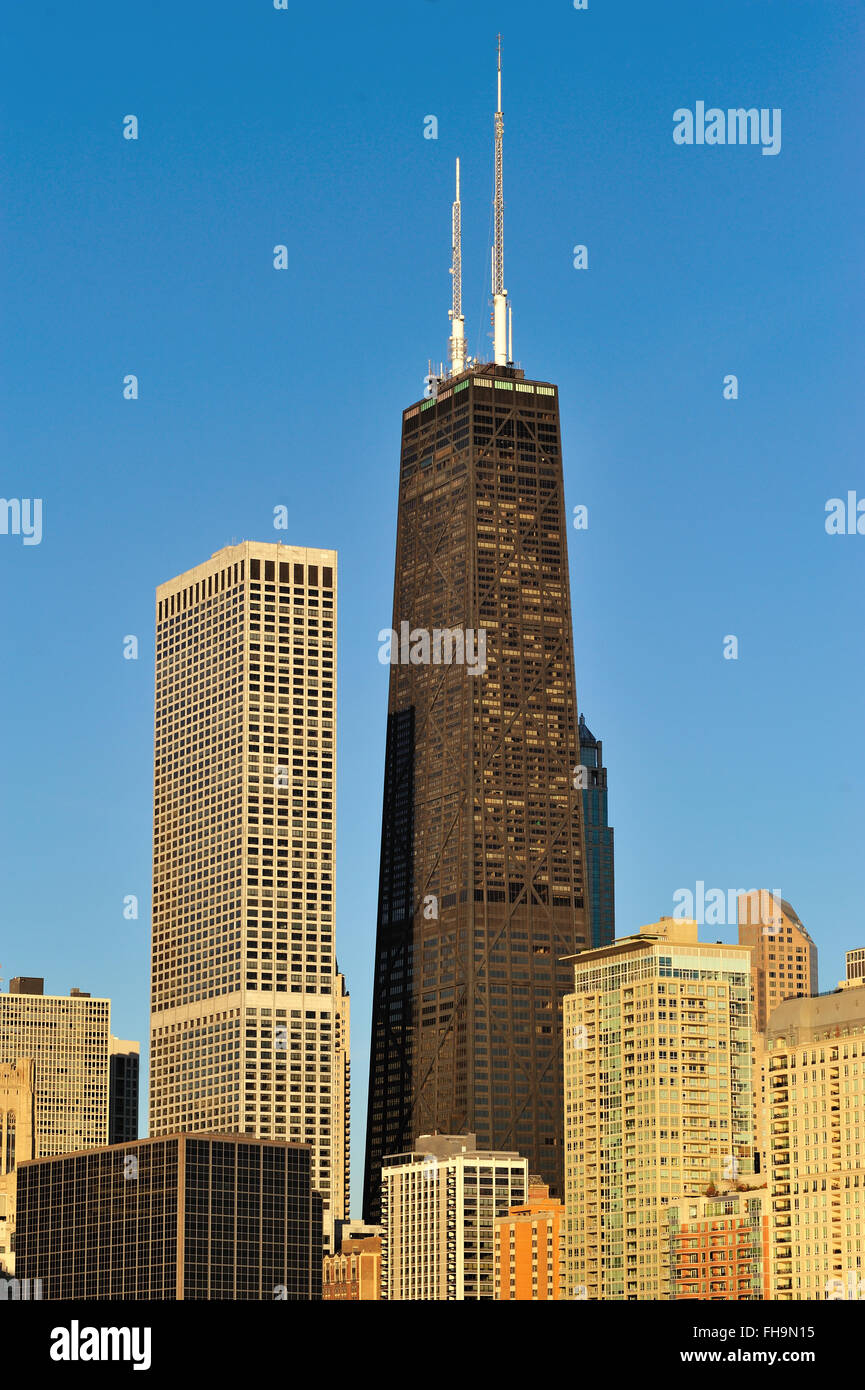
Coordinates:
column 17, row 1143
column 249, row 1017
column 856, row 963
column 783, row 966
column 54, row 1082
column 353, row 1274
column 657, row 1098
column 439, row 1205
column 67, row 1036
column 784, row 958
column 816, row 1123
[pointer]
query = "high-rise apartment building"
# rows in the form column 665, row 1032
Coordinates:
column 657, row 1098
column 246, row 1000
column 17, row 1143
column 529, row 1248
column 816, row 1126
column 599, row 838
column 482, row 884
column 783, row 966
column 784, row 958
column 221, row 1217
column 720, row 1244
column 123, row 1060
column 57, row 1083
column 439, row 1204
column 67, row 1037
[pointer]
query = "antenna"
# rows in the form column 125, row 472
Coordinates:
column 457, row 344
column 499, row 292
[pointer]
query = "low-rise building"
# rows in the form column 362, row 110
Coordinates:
column 719, row 1245
column 529, row 1248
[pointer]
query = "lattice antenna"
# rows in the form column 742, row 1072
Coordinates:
column 457, row 344
column 500, row 294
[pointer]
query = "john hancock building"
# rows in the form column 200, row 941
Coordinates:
column 483, row 885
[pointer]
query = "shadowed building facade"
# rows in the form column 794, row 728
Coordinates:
column 599, row 838
column 482, row 885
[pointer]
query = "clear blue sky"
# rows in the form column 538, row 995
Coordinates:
column 258, row 388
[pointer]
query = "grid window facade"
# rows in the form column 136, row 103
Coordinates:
column 247, row 1009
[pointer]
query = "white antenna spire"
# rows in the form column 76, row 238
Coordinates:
column 500, row 350
column 457, row 344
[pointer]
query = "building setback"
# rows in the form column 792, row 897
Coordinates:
column 249, row 1016
column 439, row 1205
column 221, row 1217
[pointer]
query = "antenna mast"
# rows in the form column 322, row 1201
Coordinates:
column 457, row 342
column 500, row 294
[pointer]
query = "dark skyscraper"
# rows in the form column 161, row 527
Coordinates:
column 482, row 886
column 599, row 839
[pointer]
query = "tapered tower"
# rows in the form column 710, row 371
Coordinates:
column 482, row 887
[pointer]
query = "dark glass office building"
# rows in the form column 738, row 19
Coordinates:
column 483, row 885
column 182, row 1217
column 123, row 1064
column 599, row 839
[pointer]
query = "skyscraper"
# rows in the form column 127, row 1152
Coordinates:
column 784, row 957
column 599, row 838
column 245, row 996
column 482, row 886
column 657, row 1098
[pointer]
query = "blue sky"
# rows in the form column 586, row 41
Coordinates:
column 260, row 388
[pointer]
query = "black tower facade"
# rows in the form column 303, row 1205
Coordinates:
column 483, row 886
column 599, row 839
